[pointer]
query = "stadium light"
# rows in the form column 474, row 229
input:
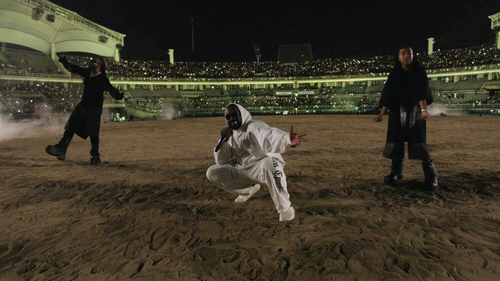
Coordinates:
column 103, row 39
column 37, row 13
column 50, row 18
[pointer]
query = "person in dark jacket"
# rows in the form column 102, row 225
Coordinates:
column 406, row 95
column 85, row 120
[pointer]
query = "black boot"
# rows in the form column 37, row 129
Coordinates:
column 430, row 173
column 396, row 175
column 94, row 151
column 57, row 151
column 95, row 159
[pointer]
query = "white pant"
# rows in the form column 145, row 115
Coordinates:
column 268, row 171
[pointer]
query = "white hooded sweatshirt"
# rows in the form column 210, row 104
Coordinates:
column 252, row 142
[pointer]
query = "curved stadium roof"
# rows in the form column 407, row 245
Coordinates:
column 40, row 24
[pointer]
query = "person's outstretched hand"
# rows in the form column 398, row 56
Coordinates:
column 296, row 139
column 424, row 115
column 378, row 118
column 119, row 95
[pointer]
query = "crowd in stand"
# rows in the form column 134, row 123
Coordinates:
column 470, row 57
column 280, row 103
column 17, row 107
column 30, row 98
column 27, row 99
column 146, row 104
column 17, row 62
column 140, row 69
column 59, row 97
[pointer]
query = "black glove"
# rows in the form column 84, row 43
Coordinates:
column 119, row 95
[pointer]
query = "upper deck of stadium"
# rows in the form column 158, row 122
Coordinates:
column 50, row 29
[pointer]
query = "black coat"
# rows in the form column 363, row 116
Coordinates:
column 85, row 119
column 402, row 91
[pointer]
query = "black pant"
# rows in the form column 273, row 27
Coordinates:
column 395, row 151
column 68, row 136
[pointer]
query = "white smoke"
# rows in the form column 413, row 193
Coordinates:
column 46, row 124
column 169, row 111
column 439, row 109
column 106, row 114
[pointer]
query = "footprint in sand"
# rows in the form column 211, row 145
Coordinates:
column 193, row 242
column 158, row 239
column 329, row 251
column 175, row 239
column 11, row 257
column 327, row 193
column 46, row 259
column 231, row 256
column 282, row 273
column 25, row 269
column 350, row 249
column 254, row 273
column 99, row 269
column 158, row 257
column 131, row 249
column 209, row 257
column 15, row 248
column 139, row 269
column 7, row 213
column 60, row 264
column 51, row 232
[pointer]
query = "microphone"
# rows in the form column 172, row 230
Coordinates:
column 221, row 142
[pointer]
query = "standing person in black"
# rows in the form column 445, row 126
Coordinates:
column 406, row 95
column 85, row 120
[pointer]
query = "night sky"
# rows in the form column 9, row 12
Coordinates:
column 226, row 31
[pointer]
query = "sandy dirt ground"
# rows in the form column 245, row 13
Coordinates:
column 148, row 211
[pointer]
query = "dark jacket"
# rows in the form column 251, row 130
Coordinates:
column 86, row 117
column 402, row 92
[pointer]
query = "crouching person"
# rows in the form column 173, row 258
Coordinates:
column 248, row 155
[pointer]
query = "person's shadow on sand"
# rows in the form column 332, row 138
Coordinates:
column 482, row 184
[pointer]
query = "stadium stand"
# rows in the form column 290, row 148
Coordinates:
column 192, row 100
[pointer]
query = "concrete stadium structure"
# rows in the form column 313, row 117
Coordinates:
column 51, row 29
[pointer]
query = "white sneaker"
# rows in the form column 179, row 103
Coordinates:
column 288, row 215
column 243, row 198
